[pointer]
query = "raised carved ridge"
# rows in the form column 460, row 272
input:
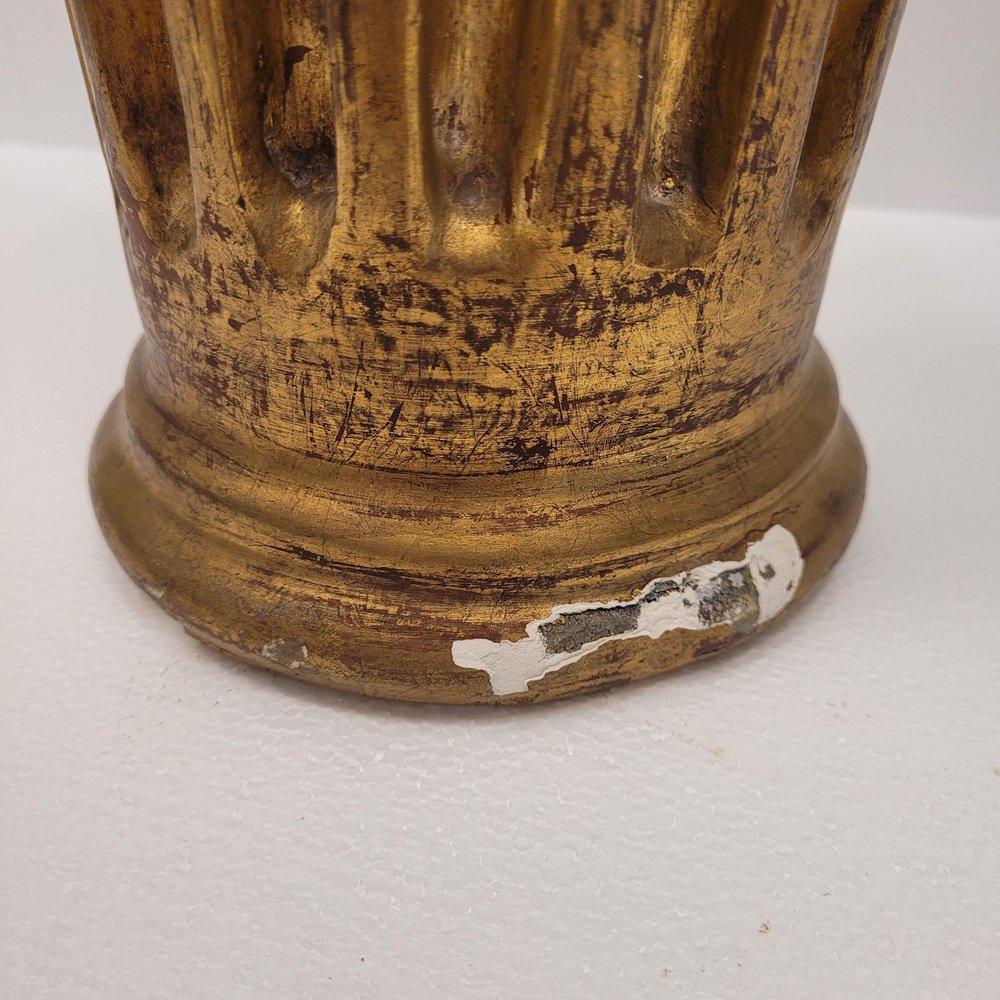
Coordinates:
column 471, row 132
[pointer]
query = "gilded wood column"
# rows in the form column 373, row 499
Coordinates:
column 478, row 360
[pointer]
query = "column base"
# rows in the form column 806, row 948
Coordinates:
column 480, row 588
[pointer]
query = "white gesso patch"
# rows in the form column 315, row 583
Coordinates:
column 745, row 593
column 289, row 654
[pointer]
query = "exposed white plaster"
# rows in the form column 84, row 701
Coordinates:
column 286, row 653
column 745, row 593
column 154, row 591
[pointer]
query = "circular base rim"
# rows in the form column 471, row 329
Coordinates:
column 286, row 609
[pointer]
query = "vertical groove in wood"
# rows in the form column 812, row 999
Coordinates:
column 224, row 55
column 853, row 69
column 471, row 63
column 704, row 80
column 136, row 101
column 381, row 189
column 299, row 109
column 215, row 56
column 540, row 54
column 786, row 74
column 587, row 178
column 470, row 51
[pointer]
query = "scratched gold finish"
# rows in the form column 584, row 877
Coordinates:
column 457, row 310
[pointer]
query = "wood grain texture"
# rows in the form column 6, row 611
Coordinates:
column 458, row 312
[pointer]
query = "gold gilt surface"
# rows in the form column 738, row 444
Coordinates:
column 457, row 310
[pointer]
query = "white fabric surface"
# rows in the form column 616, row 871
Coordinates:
column 813, row 816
